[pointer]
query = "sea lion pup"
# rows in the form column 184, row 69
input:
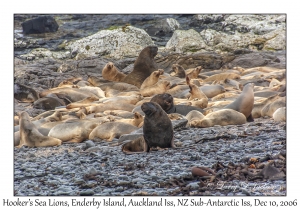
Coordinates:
column 143, row 66
column 136, row 121
column 194, row 73
column 119, row 113
column 270, row 108
column 95, row 90
column 222, row 76
column 31, row 137
column 158, row 129
column 133, row 99
column 221, row 117
column 179, row 71
column 152, row 79
column 24, row 93
column 280, row 114
column 159, row 88
column 226, row 95
column 70, row 81
column 85, row 102
column 194, row 115
column 244, row 103
column 134, row 146
column 74, row 131
column 197, row 93
column 110, row 106
column 167, row 104
column 111, row 130
column 111, row 73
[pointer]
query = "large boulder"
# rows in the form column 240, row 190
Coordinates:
column 41, row 24
column 163, row 27
column 184, row 41
column 126, row 41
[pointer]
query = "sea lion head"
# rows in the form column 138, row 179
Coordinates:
column 248, row 86
column 165, row 100
column 150, row 108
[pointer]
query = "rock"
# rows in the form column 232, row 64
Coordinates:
column 89, row 144
column 186, row 41
column 114, row 44
column 41, row 24
column 163, row 27
column 87, row 193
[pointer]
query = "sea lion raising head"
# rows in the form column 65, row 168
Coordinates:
column 158, row 129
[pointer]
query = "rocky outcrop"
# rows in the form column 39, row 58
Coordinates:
column 118, row 43
column 41, row 24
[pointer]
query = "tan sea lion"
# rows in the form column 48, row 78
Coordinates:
column 137, row 119
column 280, row 114
column 111, row 73
column 110, row 106
column 196, row 92
column 31, row 137
column 157, row 129
column 74, row 131
column 269, row 109
column 95, row 90
column 84, row 102
column 194, row 73
column 221, row 117
column 159, row 88
column 70, row 81
column 24, row 93
column 143, row 66
column 259, row 105
column 212, row 90
column 134, row 146
column 244, row 103
column 222, row 76
column 194, row 115
column 152, row 79
column 132, row 99
column 111, row 130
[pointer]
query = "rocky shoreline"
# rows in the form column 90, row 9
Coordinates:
column 42, row 61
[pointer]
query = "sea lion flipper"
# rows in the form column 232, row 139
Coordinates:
column 250, row 118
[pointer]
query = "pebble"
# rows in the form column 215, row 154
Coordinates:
column 87, row 192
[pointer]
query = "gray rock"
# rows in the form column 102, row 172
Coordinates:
column 87, row 192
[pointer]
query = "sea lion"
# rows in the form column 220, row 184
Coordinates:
column 143, row 66
column 110, row 106
column 133, row 99
column 137, row 119
column 111, row 130
column 158, row 129
column 194, row 73
column 95, row 90
column 152, row 79
column 24, row 93
column 48, row 103
column 197, row 93
column 167, row 104
column 265, row 94
column 179, row 71
column 259, row 105
column 84, row 102
column 270, row 108
column 31, row 137
column 134, row 146
column 118, row 113
column 244, row 103
column 159, row 88
column 120, row 86
column 194, row 115
column 70, row 81
column 221, row 117
column 222, row 76
column 74, row 131
column 212, row 90
column 111, row 73
column 280, row 114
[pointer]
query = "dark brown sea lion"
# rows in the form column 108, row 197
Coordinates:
column 48, row 102
column 166, row 101
column 158, row 129
column 143, row 66
column 111, row 73
column 244, row 103
column 24, row 93
column 179, row 71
